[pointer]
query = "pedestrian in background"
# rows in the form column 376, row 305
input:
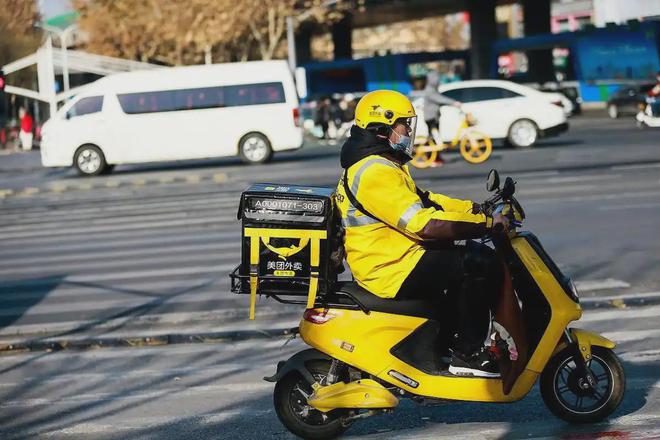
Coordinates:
column 432, row 102
column 323, row 116
column 25, row 134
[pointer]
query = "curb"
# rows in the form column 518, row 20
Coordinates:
column 54, row 345
column 60, row 187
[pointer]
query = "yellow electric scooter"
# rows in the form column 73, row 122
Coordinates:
column 368, row 353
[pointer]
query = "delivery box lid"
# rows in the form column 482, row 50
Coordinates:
column 295, row 204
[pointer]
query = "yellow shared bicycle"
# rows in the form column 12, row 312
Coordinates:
column 475, row 146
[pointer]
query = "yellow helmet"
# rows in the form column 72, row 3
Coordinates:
column 383, row 108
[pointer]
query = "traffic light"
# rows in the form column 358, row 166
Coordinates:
column 2, row 80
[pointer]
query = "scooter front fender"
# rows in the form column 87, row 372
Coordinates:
column 585, row 340
column 297, row 363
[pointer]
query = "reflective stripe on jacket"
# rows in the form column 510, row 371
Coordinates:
column 382, row 255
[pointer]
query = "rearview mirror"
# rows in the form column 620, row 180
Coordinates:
column 509, row 188
column 493, row 180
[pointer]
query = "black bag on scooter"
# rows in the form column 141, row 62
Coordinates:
column 291, row 245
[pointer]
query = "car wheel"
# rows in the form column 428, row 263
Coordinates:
column 89, row 160
column 613, row 111
column 523, row 133
column 255, row 148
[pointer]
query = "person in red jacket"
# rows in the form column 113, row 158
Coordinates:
column 26, row 129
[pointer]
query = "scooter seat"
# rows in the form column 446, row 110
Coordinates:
column 417, row 308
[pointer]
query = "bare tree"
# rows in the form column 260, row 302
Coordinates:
column 19, row 36
column 188, row 32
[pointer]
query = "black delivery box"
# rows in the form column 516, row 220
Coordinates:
column 286, row 235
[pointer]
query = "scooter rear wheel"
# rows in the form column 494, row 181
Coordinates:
column 290, row 398
column 568, row 397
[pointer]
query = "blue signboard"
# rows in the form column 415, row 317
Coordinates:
column 618, row 56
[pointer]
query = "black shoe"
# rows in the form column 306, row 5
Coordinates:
column 479, row 364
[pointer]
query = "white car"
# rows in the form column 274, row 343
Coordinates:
column 518, row 114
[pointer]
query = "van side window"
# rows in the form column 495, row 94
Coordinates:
column 86, row 106
column 201, row 98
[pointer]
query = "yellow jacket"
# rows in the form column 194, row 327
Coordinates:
column 381, row 255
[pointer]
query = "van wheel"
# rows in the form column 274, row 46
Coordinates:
column 523, row 133
column 255, row 148
column 89, row 160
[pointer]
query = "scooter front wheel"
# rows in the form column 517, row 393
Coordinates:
column 568, row 395
column 290, row 399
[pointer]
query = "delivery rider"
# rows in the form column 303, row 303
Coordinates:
column 400, row 241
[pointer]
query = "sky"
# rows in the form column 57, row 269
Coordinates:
column 53, row 8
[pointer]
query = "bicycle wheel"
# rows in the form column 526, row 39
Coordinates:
column 476, row 147
column 425, row 155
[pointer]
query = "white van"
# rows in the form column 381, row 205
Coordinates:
column 246, row 109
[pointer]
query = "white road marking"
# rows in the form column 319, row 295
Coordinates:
column 525, row 191
column 116, row 265
column 648, row 205
column 627, row 313
column 137, row 253
column 144, row 373
column 635, row 167
column 623, row 297
column 582, row 178
column 208, row 294
column 78, row 226
column 186, row 391
column 145, row 423
column 595, row 197
column 120, row 240
column 128, row 275
column 608, row 283
column 641, row 356
column 632, row 335
column 68, row 289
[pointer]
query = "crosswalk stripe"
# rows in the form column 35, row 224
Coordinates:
column 128, row 275
column 118, row 240
column 104, row 266
column 179, row 392
column 614, row 314
column 114, row 228
column 133, row 252
column 126, row 207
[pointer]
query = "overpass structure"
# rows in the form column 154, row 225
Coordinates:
column 483, row 30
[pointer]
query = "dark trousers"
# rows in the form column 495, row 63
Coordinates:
column 462, row 283
column 431, row 124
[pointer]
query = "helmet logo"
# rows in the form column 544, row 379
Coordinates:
column 376, row 110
